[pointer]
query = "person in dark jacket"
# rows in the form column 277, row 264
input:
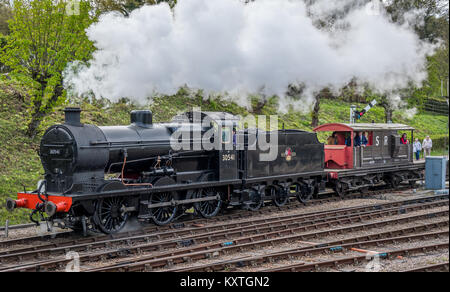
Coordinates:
column 361, row 140
column 348, row 141
column 365, row 142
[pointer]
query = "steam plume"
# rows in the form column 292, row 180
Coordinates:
column 237, row 48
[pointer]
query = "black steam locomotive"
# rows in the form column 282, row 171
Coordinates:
column 101, row 177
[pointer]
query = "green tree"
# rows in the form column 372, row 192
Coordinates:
column 430, row 12
column 44, row 38
column 5, row 15
column 127, row 6
column 3, row 42
column 434, row 28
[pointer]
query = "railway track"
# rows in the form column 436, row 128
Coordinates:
column 230, row 227
column 17, row 226
column 150, row 235
column 338, row 263
column 268, row 231
column 335, row 246
column 230, row 214
column 431, row 268
column 159, row 261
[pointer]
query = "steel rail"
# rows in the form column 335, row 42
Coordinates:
column 157, row 229
column 213, row 250
column 208, row 238
column 227, row 230
column 192, row 231
column 358, row 259
column 234, row 214
column 240, row 214
column 444, row 267
column 17, row 226
column 300, row 252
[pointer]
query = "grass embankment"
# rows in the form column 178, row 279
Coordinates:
column 20, row 165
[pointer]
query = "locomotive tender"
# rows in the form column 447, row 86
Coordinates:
column 101, row 177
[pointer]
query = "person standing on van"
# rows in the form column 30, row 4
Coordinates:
column 427, row 145
column 360, row 140
column 417, row 148
column 404, row 139
column 332, row 140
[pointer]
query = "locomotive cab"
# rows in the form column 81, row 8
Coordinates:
column 222, row 140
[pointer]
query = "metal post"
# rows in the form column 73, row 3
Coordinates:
column 83, row 224
column 445, row 144
column 6, row 228
column 447, row 90
column 352, row 114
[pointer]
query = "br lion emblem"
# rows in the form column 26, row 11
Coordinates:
column 288, row 154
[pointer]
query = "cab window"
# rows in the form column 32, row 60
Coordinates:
column 226, row 135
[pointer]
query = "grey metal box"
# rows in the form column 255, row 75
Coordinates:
column 435, row 171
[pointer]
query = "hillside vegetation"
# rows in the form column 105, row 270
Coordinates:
column 20, row 165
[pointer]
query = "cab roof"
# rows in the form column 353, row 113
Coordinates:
column 215, row 116
column 338, row 127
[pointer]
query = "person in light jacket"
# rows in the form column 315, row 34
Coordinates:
column 417, row 148
column 426, row 146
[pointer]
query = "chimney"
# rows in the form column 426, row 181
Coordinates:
column 143, row 119
column 72, row 116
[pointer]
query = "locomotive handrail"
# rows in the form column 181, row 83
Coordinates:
column 181, row 202
column 124, row 142
column 168, row 156
column 57, row 145
column 135, row 142
column 159, row 189
column 125, row 146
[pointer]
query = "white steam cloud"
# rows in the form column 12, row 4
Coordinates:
column 237, row 48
